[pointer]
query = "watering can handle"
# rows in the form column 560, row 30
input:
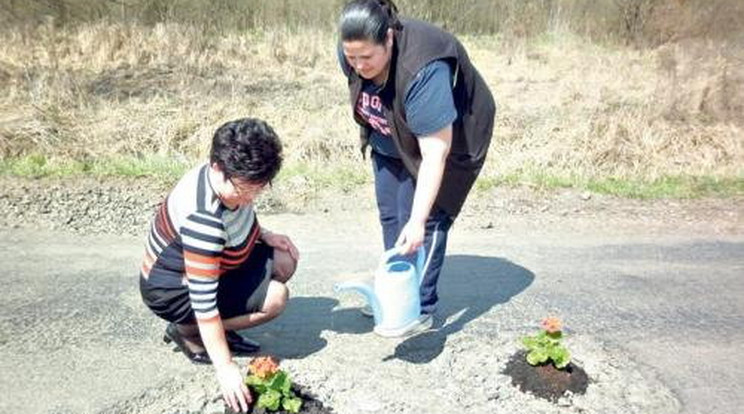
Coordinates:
column 420, row 259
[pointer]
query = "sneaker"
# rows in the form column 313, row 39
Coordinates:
column 367, row 311
column 424, row 323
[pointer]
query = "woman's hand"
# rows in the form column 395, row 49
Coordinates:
column 281, row 242
column 411, row 237
column 234, row 391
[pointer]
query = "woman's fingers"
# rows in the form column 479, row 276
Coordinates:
column 285, row 243
column 293, row 252
column 245, row 397
column 230, row 400
column 242, row 400
column 238, row 400
column 234, row 391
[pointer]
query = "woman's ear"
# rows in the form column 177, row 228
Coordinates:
column 217, row 172
column 389, row 37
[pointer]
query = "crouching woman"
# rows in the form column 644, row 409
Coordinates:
column 210, row 269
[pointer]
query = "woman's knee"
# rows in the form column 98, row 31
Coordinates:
column 284, row 266
column 276, row 298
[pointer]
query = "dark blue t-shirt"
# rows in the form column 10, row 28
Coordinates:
column 428, row 103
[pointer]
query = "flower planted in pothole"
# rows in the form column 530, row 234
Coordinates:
column 272, row 385
column 546, row 345
column 545, row 368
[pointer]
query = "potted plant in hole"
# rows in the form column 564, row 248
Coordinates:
column 273, row 391
column 272, row 386
column 545, row 368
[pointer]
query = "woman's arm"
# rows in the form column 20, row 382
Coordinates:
column 234, row 391
column 434, row 151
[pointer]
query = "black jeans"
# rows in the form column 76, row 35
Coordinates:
column 394, row 189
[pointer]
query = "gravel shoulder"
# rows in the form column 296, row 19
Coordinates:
column 125, row 206
column 650, row 292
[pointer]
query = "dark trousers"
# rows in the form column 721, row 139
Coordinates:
column 394, row 188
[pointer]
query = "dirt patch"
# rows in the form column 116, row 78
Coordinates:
column 545, row 380
column 310, row 404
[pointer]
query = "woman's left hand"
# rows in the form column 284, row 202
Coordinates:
column 411, row 237
column 281, row 242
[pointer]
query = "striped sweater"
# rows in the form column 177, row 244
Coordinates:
column 194, row 238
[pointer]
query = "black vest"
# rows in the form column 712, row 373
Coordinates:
column 417, row 44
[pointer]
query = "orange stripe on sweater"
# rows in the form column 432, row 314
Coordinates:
column 167, row 225
column 237, row 253
column 252, row 237
column 234, row 262
column 195, row 257
column 213, row 273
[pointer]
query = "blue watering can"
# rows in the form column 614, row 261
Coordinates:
column 395, row 299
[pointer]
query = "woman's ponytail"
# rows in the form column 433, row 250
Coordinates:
column 368, row 20
column 391, row 10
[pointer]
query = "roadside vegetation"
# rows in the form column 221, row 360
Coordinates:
column 638, row 98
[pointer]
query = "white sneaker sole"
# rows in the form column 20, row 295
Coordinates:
column 422, row 324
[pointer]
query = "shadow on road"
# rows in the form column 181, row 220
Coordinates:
column 297, row 332
column 468, row 287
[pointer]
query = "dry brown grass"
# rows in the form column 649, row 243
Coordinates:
column 101, row 89
column 571, row 108
column 567, row 107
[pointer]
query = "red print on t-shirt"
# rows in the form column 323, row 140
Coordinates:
column 369, row 107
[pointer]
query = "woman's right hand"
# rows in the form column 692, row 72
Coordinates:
column 234, row 391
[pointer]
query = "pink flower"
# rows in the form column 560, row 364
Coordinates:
column 551, row 324
column 263, row 367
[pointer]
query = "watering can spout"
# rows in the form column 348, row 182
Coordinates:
column 365, row 290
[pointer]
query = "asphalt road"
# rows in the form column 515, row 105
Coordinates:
column 75, row 338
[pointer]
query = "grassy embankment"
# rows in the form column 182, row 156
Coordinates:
column 129, row 99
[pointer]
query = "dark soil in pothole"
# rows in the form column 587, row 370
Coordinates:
column 545, row 381
column 310, row 405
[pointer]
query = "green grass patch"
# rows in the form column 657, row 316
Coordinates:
column 348, row 176
column 533, row 179
column 669, row 187
column 40, row 166
column 319, row 176
column 663, row 187
column 344, row 177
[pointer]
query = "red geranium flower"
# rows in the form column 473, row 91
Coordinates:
column 263, row 367
column 551, row 324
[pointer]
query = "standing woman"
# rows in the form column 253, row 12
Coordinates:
column 427, row 115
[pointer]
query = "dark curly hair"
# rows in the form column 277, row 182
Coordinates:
column 247, row 149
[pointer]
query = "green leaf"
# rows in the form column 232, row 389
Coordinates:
column 280, row 382
column 256, row 383
column 561, row 357
column 287, row 386
column 536, row 357
column 270, row 399
column 530, row 342
column 292, row 404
